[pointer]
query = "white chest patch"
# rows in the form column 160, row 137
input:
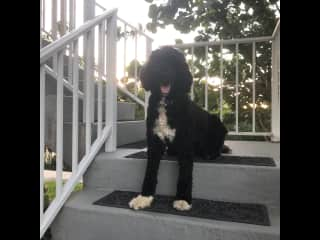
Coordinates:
column 161, row 128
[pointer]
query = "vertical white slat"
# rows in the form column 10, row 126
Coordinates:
column 63, row 16
column 41, row 22
column 125, row 50
column 44, row 14
column 75, row 108
column 88, row 79
column 71, row 27
column 72, row 14
column 101, row 71
column 254, row 87
column 275, row 88
column 92, row 74
column 135, row 63
column 42, row 132
column 54, row 19
column 88, row 14
column 147, row 93
column 237, row 87
column 70, row 59
column 207, row 77
column 192, row 73
column 111, row 86
column 221, row 81
column 55, row 63
column 59, row 144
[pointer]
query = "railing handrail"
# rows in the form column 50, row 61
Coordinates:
column 55, row 46
column 223, row 42
column 229, row 41
column 276, row 29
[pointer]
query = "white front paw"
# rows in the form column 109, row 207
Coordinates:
column 181, row 205
column 140, row 202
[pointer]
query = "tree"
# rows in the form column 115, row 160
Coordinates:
column 226, row 19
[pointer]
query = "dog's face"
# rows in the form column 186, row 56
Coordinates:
column 166, row 73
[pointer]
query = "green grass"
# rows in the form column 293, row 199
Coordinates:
column 50, row 191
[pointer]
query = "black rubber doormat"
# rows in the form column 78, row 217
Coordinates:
column 238, row 160
column 215, row 210
column 135, row 145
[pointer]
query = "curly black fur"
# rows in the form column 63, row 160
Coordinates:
column 198, row 133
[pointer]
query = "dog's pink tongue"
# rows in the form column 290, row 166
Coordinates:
column 165, row 89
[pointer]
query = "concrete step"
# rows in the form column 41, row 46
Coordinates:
column 79, row 219
column 226, row 182
column 125, row 110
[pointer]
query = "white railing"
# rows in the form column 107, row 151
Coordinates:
column 275, row 82
column 62, row 20
column 275, row 106
column 106, row 24
column 127, row 27
column 55, row 22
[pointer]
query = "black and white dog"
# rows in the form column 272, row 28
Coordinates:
column 175, row 125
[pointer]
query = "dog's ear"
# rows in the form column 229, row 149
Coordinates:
column 145, row 77
column 185, row 78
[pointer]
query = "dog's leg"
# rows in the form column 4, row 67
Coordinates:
column 155, row 150
column 184, row 187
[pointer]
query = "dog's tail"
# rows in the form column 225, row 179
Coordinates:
column 226, row 149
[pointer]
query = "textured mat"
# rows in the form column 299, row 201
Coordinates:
column 215, row 210
column 239, row 160
column 136, row 145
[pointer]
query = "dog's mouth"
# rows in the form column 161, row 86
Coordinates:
column 165, row 89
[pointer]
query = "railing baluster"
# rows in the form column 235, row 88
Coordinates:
column 71, row 27
column 41, row 22
column 275, row 87
column 88, row 79
column 44, row 14
column 72, row 15
column 101, row 71
column 75, row 108
column 63, row 17
column 237, row 88
column 125, row 50
column 42, row 132
column 221, row 82
column 147, row 93
column 59, row 144
column 111, row 86
column 135, row 63
column 54, row 19
column 207, row 76
column 70, row 59
column 192, row 72
column 253, row 87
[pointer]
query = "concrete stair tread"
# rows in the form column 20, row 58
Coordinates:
column 225, row 182
column 81, row 203
column 121, row 154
